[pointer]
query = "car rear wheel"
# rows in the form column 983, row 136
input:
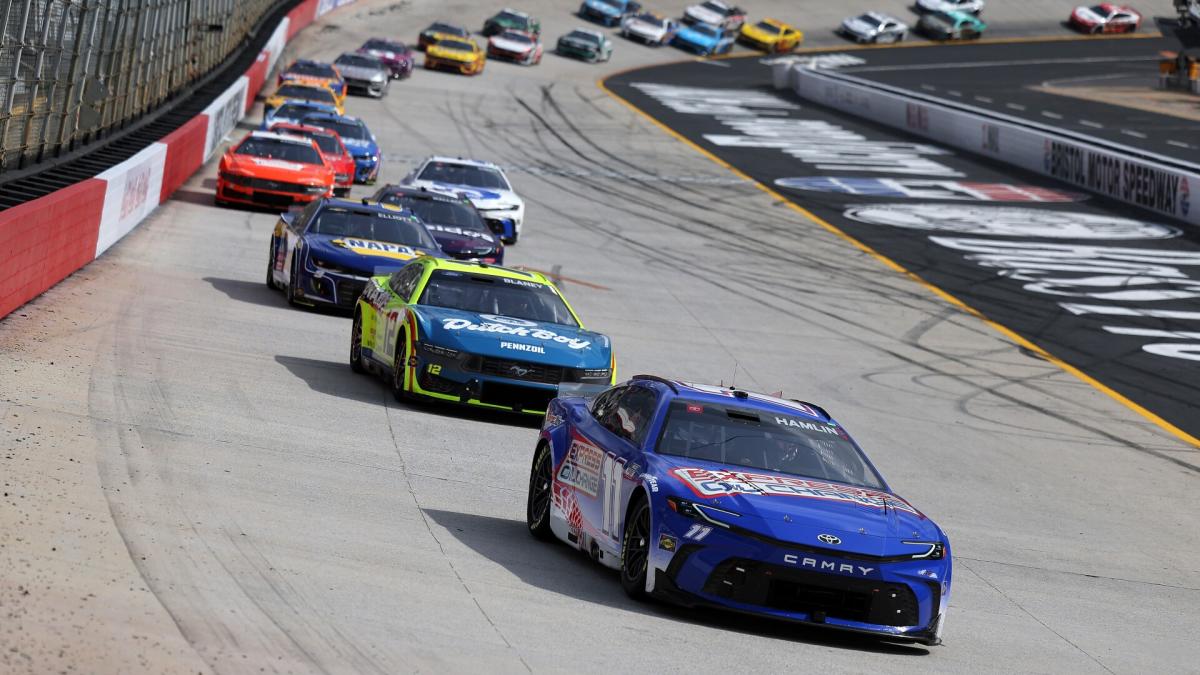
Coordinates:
column 537, row 506
column 398, row 366
column 635, row 548
column 356, row 359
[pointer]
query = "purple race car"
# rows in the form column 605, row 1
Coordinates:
column 394, row 54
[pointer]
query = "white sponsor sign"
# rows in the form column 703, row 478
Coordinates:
column 274, row 46
column 224, row 113
column 131, row 193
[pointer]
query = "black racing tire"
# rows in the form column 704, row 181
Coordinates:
column 635, row 547
column 356, row 358
column 271, row 267
column 541, row 488
column 290, row 291
column 398, row 365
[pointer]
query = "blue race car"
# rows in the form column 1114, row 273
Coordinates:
column 704, row 39
column 291, row 112
column 359, row 141
column 608, row 12
column 324, row 253
column 717, row 497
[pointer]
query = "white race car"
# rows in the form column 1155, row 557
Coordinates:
column 874, row 27
column 715, row 13
column 966, row 6
column 650, row 28
column 483, row 183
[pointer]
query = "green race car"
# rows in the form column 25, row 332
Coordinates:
column 511, row 19
column 476, row 334
column 951, row 26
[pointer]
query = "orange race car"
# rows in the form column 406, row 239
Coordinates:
column 333, row 151
column 276, row 170
column 302, row 90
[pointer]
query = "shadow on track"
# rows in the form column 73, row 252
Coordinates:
column 559, row 569
column 253, row 292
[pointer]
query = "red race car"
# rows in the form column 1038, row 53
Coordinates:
column 276, row 170
column 333, row 151
column 1105, row 18
column 515, row 45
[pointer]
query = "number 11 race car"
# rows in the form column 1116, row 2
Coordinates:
column 476, row 334
column 708, row 496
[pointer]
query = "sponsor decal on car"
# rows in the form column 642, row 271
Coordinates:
column 581, row 467
column 715, row 483
column 923, row 188
column 822, row 565
column 522, row 347
column 517, row 330
column 376, row 248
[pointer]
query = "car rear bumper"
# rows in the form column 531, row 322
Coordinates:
column 368, row 87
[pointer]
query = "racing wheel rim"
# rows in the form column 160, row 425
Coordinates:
column 539, row 489
column 635, row 552
column 398, row 369
column 356, row 343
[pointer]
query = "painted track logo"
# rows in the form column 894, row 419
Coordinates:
column 1008, row 221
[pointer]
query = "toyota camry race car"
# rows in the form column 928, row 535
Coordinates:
column 333, row 151
column 275, row 170
column 715, row 13
column 770, row 35
column 395, row 55
column 873, row 27
column 608, row 12
column 476, row 334
column 1105, row 18
column 716, row 497
column 358, row 139
column 582, row 43
column 458, row 54
column 703, row 39
column 513, row 45
column 314, row 72
column 324, row 254
column 451, row 219
column 438, row 30
column 483, row 183
column 649, row 28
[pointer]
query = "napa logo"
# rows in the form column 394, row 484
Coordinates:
column 376, row 248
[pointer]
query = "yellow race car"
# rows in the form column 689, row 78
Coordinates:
column 452, row 53
column 304, row 91
column 770, row 35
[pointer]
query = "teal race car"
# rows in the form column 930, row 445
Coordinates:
column 951, row 26
column 476, row 334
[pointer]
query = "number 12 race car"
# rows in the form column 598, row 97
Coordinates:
column 476, row 334
column 707, row 496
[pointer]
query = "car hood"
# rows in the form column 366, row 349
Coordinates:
column 275, row 169
column 491, row 335
column 695, row 36
column 361, row 72
column 366, row 257
column 700, row 13
column 643, row 28
column 401, row 57
column 859, row 26
column 454, row 239
column 511, row 45
column 798, row 510
column 1087, row 13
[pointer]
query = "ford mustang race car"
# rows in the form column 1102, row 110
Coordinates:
column 332, row 150
column 438, row 30
column 275, row 170
column 292, row 112
column 707, row 496
column 770, row 35
column 511, row 19
column 649, row 28
column 324, row 254
column 965, row 6
column 951, row 26
column 483, row 183
column 873, row 27
column 475, row 334
column 703, row 39
column 315, row 72
column 303, row 91
column 715, row 13
column 358, row 139
column 513, row 45
column 395, row 55
column 1105, row 18
column 582, row 43
column 459, row 54
column 608, row 12
column 452, row 220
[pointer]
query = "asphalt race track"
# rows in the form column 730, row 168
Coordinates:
column 1011, row 79
column 192, row 472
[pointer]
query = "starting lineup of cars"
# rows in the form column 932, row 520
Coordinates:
column 699, row 495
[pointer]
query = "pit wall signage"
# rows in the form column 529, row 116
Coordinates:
column 1142, row 183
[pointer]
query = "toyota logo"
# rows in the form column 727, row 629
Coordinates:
column 828, row 539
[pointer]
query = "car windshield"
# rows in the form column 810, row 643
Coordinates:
column 705, row 30
column 1101, row 10
column 456, row 45
column 448, row 29
column 385, row 46
column 615, row 4
column 346, row 128
column 941, row 17
column 585, row 36
column 437, row 212
column 513, row 18
column 463, row 174
column 328, row 143
column 484, row 294
column 870, row 20
column 767, row 27
column 514, row 36
column 714, row 7
column 295, row 109
column 273, row 148
column 392, row 228
column 756, row 439
column 357, row 61
column 307, row 93
column 322, row 70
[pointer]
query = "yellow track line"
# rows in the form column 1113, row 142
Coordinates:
column 1003, row 330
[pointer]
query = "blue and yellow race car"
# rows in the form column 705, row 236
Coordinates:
column 473, row 333
column 718, row 497
column 323, row 254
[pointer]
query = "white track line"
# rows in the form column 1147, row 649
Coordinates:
column 1052, row 115
column 998, row 64
column 1178, row 144
column 983, row 99
column 1135, row 134
column 1014, row 106
column 1089, row 123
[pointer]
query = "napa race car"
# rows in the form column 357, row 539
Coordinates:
column 718, row 497
column 476, row 334
column 703, row 39
column 451, row 219
column 483, row 183
column 462, row 55
column 273, row 170
column 324, row 254
column 358, row 139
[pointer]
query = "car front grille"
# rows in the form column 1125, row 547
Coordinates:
column 515, row 396
column 348, row 291
column 516, row 370
column 814, row 593
column 264, row 184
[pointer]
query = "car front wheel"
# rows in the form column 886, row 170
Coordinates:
column 398, row 367
column 356, row 359
column 635, row 548
column 537, row 507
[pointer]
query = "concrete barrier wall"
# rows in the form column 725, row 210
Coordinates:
column 1126, row 174
column 45, row 240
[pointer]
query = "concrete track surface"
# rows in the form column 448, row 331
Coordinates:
column 193, row 480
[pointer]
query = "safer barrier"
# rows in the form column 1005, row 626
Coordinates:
column 45, row 240
column 1123, row 173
